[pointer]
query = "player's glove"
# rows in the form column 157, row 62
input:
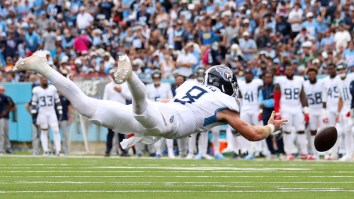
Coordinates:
column 306, row 114
column 277, row 116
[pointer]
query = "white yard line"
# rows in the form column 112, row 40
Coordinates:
column 165, row 176
column 152, row 182
column 175, row 191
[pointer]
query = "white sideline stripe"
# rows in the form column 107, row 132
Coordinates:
column 206, row 168
column 177, row 191
column 150, row 182
column 125, row 176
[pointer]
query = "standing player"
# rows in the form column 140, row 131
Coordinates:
column 46, row 97
column 196, row 108
column 5, row 107
column 313, row 90
column 290, row 102
column 203, row 137
column 6, row 120
column 344, row 104
column 330, row 98
column 118, row 93
column 155, row 92
column 66, row 120
column 249, row 111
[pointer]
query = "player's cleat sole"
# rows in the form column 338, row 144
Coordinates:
column 123, row 71
column 32, row 63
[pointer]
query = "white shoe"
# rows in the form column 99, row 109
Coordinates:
column 171, row 156
column 123, row 71
column 190, row 156
column 32, row 63
column 45, row 154
column 208, row 157
column 345, row 158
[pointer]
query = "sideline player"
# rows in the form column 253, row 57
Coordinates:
column 290, row 102
column 46, row 97
column 203, row 137
column 196, row 108
column 344, row 104
column 156, row 91
column 6, row 120
column 313, row 90
column 249, row 110
column 330, row 98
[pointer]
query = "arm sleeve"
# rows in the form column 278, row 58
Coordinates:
column 269, row 103
column 260, row 97
column 277, row 95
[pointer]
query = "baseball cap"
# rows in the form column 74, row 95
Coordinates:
column 309, row 14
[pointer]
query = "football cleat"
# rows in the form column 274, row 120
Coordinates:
column 250, row 156
column 219, row 157
column 123, row 71
column 290, row 157
column 33, row 62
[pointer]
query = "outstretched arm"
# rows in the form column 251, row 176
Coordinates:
column 252, row 133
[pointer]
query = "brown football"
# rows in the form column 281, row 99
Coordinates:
column 326, row 138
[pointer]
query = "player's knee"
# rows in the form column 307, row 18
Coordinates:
column 300, row 132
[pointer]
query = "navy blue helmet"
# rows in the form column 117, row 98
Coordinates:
column 222, row 78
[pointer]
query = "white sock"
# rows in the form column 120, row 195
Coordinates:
column 313, row 149
column 203, row 143
column 302, row 141
column 229, row 139
column 349, row 143
column 169, row 143
column 287, row 138
column 191, row 144
column 216, row 143
column 44, row 140
column 57, row 141
column 158, row 147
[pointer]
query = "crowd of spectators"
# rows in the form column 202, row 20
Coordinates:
column 85, row 36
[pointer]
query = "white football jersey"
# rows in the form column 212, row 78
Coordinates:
column 249, row 93
column 330, row 93
column 344, row 91
column 290, row 91
column 313, row 94
column 162, row 92
column 45, row 99
column 202, row 102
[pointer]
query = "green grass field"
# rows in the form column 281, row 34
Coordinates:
column 96, row 177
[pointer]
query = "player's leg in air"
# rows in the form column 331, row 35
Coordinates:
column 109, row 114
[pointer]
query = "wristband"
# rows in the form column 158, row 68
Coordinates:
column 306, row 109
column 272, row 128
